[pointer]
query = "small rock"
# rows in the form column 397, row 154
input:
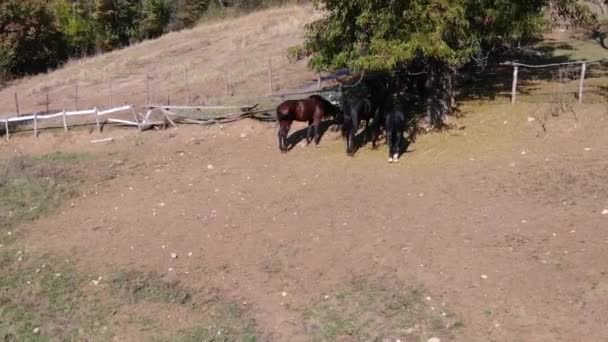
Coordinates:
column 57, row 275
column 170, row 269
column 36, row 330
column 189, row 254
column 173, row 255
column 209, row 167
column 243, row 135
column 483, row 276
column 587, row 149
column 605, row 212
column 433, row 339
column 523, row 153
column 284, row 294
column 530, row 119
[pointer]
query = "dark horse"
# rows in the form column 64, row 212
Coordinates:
column 312, row 110
column 355, row 111
column 394, row 124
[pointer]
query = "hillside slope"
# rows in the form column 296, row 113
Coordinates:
column 202, row 58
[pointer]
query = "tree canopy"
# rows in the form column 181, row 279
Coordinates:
column 442, row 35
column 378, row 35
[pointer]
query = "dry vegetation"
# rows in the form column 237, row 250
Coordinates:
column 239, row 48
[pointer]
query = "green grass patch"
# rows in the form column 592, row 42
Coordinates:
column 378, row 310
column 140, row 287
column 46, row 298
column 220, row 319
column 34, row 186
column 41, row 299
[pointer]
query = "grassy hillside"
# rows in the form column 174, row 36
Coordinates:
column 238, row 48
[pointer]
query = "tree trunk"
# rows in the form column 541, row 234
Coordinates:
column 439, row 93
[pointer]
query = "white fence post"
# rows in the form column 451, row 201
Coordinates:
column 97, row 120
column 65, row 121
column 582, row 83
column 8, row 137
column 514, row 88
column 36, row 125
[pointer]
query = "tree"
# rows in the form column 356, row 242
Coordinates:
column 116, row 22
column 186, row 13
column 29, row 39
column 156, row 15
column 441, row 35
column 75, row 23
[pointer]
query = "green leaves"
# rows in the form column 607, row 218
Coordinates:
column 375, row 34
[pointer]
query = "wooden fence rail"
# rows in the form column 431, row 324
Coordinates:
column 584, row 67
column 35, row 118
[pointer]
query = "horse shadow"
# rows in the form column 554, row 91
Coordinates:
column 296, row 137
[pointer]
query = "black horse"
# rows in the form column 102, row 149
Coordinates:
column 394, row 120
column 355, row 111
column 394, row 124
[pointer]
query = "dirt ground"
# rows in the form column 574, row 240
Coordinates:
column 500, row 220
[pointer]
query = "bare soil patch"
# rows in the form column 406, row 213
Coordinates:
column 498, row 222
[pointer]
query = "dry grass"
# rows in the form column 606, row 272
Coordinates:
column 239, row 47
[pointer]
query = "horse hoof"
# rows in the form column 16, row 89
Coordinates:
column 317, row 146
column 390, row 160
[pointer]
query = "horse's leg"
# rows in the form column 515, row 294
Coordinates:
column 316, row 124
column 309, row 133
column 375, row 130
column 351, row 142
column 397, row 146
column 283, row 134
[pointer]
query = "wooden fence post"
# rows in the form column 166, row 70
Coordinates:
column 514, row 89
column 136, row 119
column 36, row 125
column 97, row 120
column 8, row 137
column 76, row 94
column 226, row 83
column 147, row 89
column 17, row 104
column 582, row 83
column 65, row 121
column 318, row 81
column 47, row 103
column 270, row 87
column 110, row 86
column 187, row 85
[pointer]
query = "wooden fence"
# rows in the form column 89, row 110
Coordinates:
column 169, row 116
column 583, row 65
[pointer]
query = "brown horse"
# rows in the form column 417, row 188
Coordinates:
column 312, row 110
